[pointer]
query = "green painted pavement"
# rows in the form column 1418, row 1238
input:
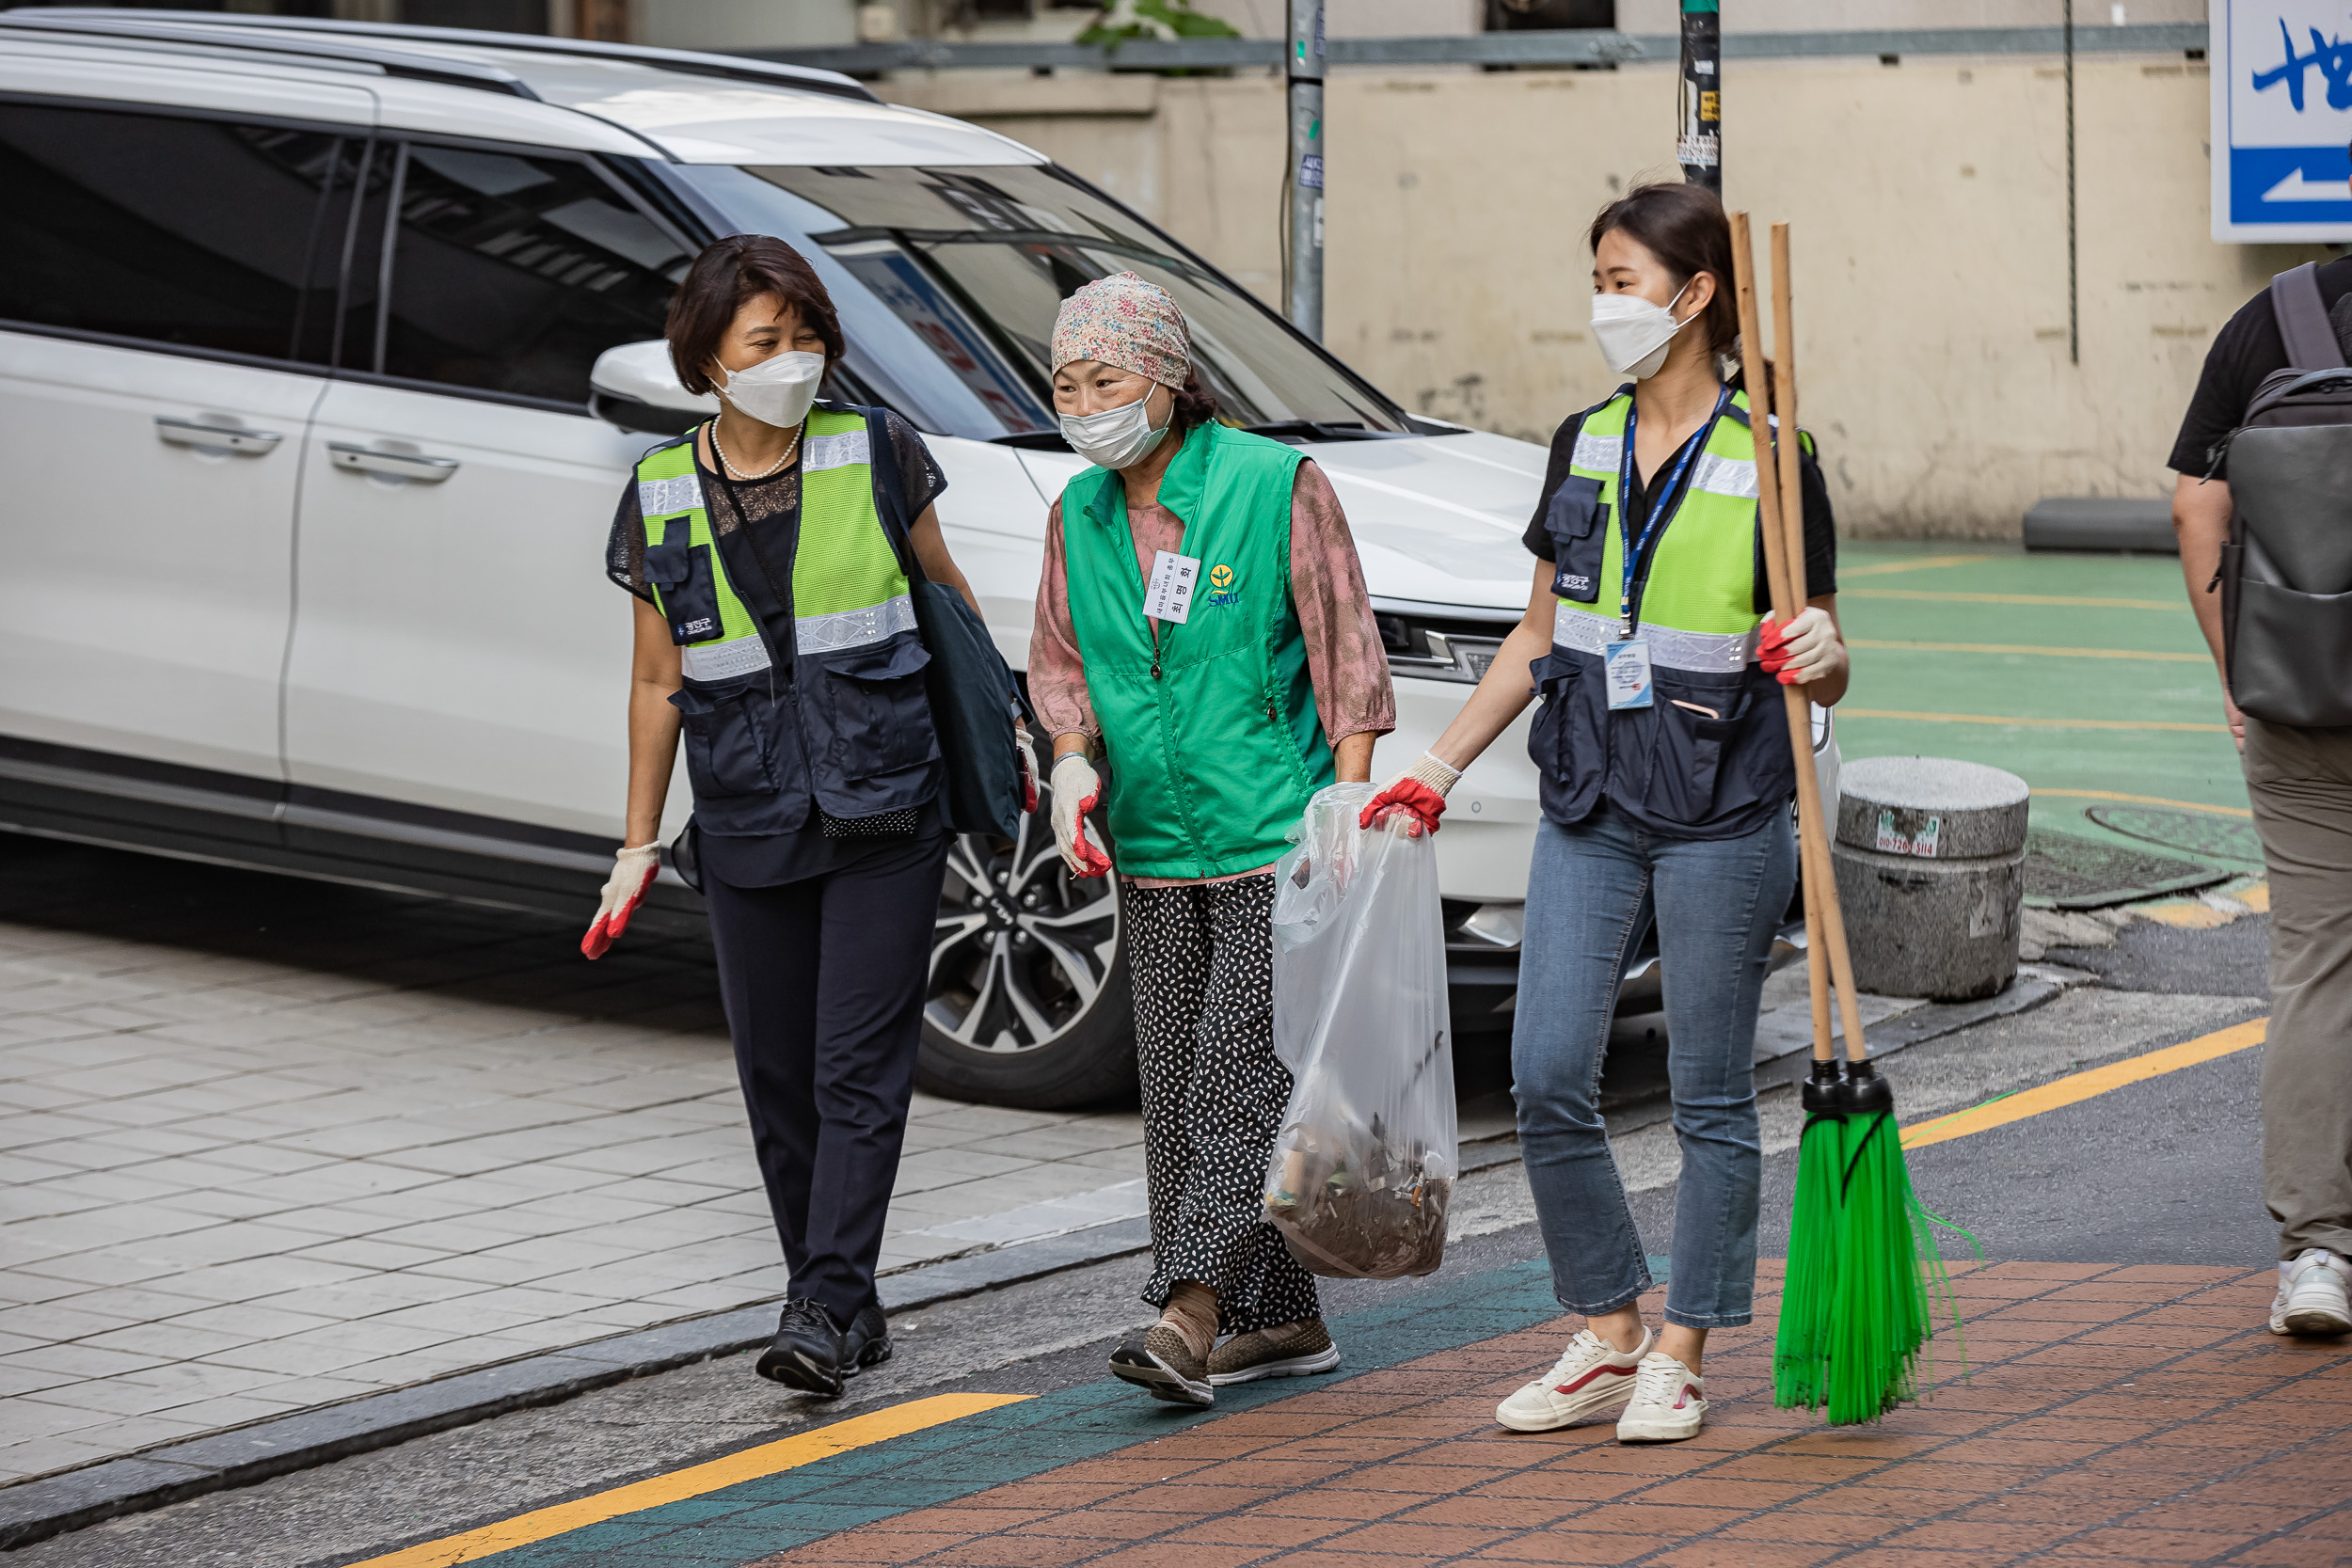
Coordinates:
column 1908, row 592
column 1013, row 1442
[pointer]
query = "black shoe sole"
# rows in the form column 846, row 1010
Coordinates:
column 797, row 1371
column 1158, row 1379
column 874, row 1354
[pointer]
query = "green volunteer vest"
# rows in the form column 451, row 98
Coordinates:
column 1214, row 740
column 1698, row 609
column 847, row 586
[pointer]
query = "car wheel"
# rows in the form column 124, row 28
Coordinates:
column 1029, row 1003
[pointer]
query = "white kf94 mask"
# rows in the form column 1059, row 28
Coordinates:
column 1632, row 334
column 777, row 390
column 1114, row 437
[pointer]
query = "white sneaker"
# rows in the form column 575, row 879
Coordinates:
column 2311, row 1298
column 1669, row 1402
column 1589, row 1377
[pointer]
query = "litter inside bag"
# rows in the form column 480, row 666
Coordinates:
column 1365, row 1165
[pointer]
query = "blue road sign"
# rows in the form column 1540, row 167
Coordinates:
column 2281, row 120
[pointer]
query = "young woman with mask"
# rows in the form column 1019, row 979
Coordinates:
column 1664, row 747
column 774, row 628
column 1202, row 623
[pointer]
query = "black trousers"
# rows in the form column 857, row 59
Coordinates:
column 823, row 980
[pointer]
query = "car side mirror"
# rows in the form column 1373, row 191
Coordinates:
column 634, row 385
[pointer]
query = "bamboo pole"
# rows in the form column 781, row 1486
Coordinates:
column 1833, row 929
column 1824, row 928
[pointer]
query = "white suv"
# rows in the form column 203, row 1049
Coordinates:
column 297, row 328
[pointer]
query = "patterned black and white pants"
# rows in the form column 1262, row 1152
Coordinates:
column 1214, row 1093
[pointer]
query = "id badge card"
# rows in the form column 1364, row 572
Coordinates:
column 1627, row 667
column 1167, row 595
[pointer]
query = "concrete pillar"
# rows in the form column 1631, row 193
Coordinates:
column 1930, row 858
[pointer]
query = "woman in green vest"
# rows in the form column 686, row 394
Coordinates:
column 1201, row 624
column 775, row 629
column 1667, row 778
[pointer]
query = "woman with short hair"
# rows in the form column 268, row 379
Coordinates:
column 1203, row 625
column 1666, row 777
column 775, row 628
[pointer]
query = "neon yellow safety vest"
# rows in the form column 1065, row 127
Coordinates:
column 851, row 727
column 1709, row 757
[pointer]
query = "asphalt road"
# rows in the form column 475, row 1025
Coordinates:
column 2165, row 1170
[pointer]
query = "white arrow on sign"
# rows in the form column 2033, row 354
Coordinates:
column 2295, row 188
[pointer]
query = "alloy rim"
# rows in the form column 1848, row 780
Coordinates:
column 1022, row 948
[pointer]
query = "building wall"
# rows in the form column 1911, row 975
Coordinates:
column 1928, row 202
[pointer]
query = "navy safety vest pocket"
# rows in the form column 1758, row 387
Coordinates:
column 1567, row 740
column 730, row 750
column 874, row 707
column 682, row 573
column 1687, row 749
column 1578, row 543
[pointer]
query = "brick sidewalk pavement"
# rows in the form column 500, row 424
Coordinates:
column 2124, row 1414
column 268, row 1144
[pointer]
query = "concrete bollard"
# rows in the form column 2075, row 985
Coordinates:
column 1930, row 858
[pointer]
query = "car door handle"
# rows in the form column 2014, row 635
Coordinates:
column 218, row 437
column 368, row 460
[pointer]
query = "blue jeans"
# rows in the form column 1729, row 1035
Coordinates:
column 1591, row 895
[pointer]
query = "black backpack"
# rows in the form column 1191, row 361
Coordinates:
column 2286, row 572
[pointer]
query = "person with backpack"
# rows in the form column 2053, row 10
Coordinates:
column 2264, row 465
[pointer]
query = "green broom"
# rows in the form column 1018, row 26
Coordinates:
column 1854, row 1309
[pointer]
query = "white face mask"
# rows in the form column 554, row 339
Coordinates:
column 777, row 390
column 1116, row 438
column 1632, row 334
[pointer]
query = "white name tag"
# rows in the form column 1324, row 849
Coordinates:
column 1628, row 666
column 1168, row 595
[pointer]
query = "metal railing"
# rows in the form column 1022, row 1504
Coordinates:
column 1563, row 47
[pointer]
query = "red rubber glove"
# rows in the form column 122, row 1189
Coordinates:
column 1802, row 651
column 1409, row 800
column 633, row 871
column 1077, row 789
column 1029, row 768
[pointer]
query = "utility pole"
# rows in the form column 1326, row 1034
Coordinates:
column 1699, row 149
column 1302, row 289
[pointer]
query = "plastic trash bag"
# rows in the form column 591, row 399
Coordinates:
column 1360, row 1173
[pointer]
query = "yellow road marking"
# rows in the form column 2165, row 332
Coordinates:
column 2144, row 801
column 2256, row 897
column 751, row 1465
column 1883, row 567
column 2180, row 606
column 1844, row 712
column 2083, row 1086
column 2187, row 915
column 2027, row 648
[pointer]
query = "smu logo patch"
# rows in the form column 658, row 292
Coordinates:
column 1569, row 586
column 1222, row 588
column 691, row 628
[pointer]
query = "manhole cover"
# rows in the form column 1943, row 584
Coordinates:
column 2070, row 873
column 2196, row 832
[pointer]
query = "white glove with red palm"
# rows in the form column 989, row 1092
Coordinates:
column 1077, row 789
column 1027, row 755
column 633, row 871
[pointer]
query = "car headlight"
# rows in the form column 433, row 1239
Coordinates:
column 1439, row 648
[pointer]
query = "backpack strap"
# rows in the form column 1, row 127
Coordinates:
column 2303, row 324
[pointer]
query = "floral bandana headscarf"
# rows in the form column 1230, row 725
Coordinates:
column 1123, row 321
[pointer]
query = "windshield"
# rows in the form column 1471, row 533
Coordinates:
column 961, row 272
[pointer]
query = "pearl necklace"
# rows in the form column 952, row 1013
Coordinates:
column 791, row 451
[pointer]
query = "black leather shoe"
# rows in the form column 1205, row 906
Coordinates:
column 867, row 1341
column 806, row 1352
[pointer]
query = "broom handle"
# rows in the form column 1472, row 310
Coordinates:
column 1816, row 961
column 1768, row 501
column 1821, row 905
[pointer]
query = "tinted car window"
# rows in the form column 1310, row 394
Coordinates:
column 200, row 234
column 511, row 273
column 948, row 279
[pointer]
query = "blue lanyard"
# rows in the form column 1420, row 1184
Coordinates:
column 1660, row 514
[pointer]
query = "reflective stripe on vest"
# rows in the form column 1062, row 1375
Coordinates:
column 1697, row 607
column 847, row 587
